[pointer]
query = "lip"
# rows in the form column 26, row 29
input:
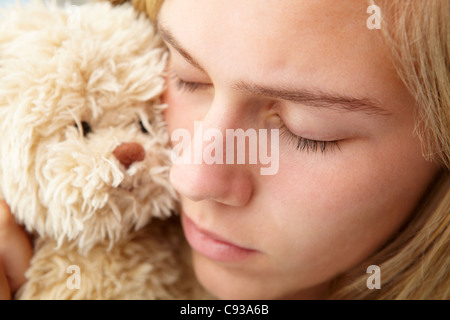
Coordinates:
column 211, row 245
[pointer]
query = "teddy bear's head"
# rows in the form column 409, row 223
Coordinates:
column 84, row 150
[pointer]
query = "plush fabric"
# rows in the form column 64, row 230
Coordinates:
column 84, row 154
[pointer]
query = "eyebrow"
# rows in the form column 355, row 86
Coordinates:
column 310, row 97
column 315, row 98
column 168, row 37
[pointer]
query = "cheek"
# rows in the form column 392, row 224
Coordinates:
column 183, row 108
column 173, row 114
column 338, row 213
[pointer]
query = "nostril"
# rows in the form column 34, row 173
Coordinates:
column 129, row 152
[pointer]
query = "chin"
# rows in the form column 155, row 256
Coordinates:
column 230, row 281
column 241, row 282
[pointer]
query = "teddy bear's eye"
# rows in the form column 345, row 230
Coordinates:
column 143, row 129
column 86, row 128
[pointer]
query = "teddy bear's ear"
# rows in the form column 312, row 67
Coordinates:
column 11, row 26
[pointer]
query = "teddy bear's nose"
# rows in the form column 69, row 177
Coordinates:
column 129, row 152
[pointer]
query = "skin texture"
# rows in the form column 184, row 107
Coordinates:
column 323, row 212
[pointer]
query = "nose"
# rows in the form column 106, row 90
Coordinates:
column 215, row 182
column 128, row 153
column 226, row 183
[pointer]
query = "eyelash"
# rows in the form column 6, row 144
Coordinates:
column 186, row 85
column 308, row 145
column 303, row 144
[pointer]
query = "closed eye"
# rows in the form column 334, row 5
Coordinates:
column 308, row 145
column 188, row 86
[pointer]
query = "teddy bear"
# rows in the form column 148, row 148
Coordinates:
column 85, row 155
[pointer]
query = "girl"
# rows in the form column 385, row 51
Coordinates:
column 364, row 146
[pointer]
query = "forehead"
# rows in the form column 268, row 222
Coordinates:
column 324, row 44
column 267, row 28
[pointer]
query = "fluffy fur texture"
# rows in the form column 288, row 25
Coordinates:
column 84, row 154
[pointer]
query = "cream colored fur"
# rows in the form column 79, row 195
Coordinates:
column 103, row 66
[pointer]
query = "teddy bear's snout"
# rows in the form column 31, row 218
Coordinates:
column 128, row 153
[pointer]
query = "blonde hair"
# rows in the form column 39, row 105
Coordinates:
column 414, row 263
column 150, row 7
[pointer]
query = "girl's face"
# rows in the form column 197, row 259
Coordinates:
column 316, row 71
